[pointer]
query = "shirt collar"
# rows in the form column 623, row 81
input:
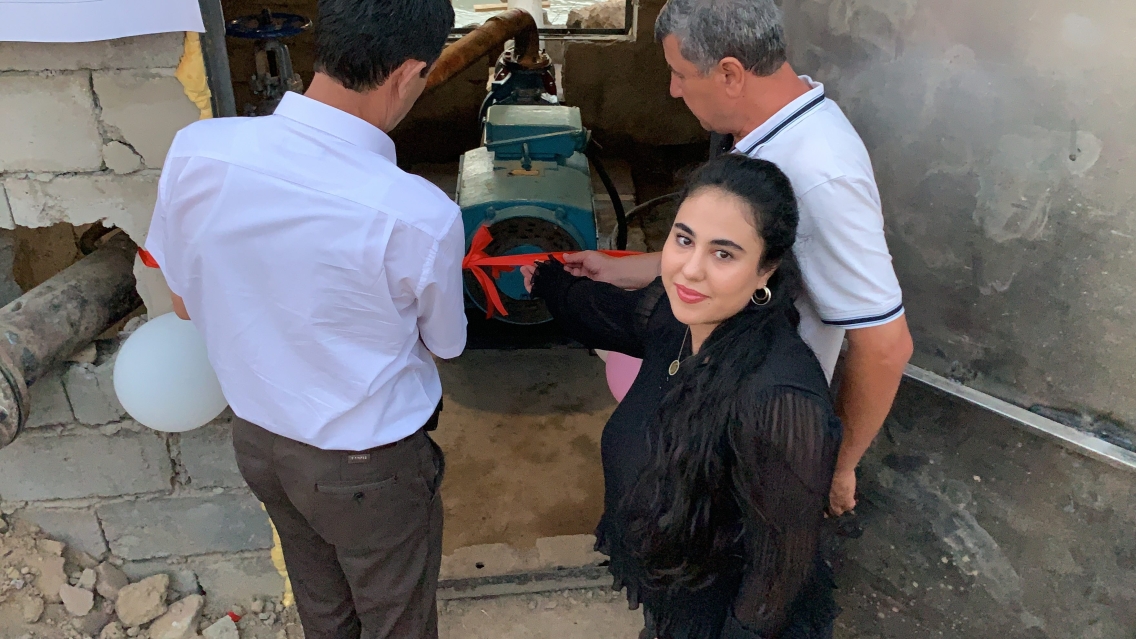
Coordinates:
column 335, row 122
column 783, row 118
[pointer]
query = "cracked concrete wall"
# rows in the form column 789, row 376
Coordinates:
column 1000, row 136
column 85, row 130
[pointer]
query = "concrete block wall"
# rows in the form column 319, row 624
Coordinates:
column 85, row 130
column 151, row 502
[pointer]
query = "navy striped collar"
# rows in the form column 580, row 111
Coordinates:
column 782, row 119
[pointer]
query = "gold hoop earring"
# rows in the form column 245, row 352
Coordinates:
column 767, row 295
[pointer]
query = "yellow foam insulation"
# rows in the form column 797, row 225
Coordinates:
column 191, row 74
column 278, row 561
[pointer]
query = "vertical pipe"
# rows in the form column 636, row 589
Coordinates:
column 217, row 59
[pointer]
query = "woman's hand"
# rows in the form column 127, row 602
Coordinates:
column 528, row 271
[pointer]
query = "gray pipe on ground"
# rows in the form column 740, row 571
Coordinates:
column 57, row 318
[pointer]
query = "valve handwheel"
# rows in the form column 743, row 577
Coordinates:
column 268, row 26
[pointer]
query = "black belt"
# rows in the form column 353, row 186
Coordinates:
column 430, row 425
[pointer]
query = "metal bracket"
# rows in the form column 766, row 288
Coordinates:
column 1071, row 438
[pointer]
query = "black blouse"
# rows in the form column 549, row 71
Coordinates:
column 786, row 449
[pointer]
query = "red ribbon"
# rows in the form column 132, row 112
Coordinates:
column 485, row 268
column 147, row 259
column 477, row 261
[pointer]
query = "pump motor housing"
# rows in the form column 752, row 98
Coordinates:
column 530, row 183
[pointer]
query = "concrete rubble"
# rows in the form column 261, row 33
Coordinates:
column 76, row 600
column 113, row 630
column 144, row 601
column 224, row 628
column 110, row 581
column 93, row 623
column 87, row 579
column 180, row 621
column 103, row 604
column 32, row 609
column 51, row 577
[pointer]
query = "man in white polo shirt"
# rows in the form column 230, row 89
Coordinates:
column 322, row 277
column 728, row 63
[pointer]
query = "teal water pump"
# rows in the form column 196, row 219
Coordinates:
column 530, row 182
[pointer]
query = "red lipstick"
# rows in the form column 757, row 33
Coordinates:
column 689, row 295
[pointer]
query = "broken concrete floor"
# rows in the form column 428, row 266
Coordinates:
column 99, row 601
column 523, row 487
column 971, row 526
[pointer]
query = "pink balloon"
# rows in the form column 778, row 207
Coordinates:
column 621, row 372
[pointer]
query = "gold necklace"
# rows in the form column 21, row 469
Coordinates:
column 673, row 368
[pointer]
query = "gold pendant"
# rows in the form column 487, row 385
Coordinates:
column 673, row 368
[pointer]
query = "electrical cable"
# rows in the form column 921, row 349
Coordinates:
column 616, row 202
column 650, row 204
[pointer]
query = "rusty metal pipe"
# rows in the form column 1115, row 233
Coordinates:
column 514, row 24
column 56, row 318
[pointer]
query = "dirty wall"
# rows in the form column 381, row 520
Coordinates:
column 1004, row 151
column 620, row 85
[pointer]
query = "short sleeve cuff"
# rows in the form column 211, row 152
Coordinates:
column 867, row 320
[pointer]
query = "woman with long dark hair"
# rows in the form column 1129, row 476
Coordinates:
column 717, row 462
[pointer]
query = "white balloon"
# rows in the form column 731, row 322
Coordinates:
column 163, row 378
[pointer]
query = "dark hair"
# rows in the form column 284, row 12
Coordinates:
column 361, row 42
column 682, row 512
column 768, row 195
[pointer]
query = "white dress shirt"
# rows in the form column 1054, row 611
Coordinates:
column 320, row 275
column 841, row 248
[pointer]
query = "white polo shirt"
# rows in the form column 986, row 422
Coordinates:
column 841, row 249
column 316, row 270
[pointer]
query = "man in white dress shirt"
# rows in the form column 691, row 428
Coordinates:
column 322, row 277
column 728, row 63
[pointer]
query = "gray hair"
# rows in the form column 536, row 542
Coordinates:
column 710, row 30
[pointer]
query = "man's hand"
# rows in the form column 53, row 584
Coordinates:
column 632, row 272
column 842, row 496
column 590, row 264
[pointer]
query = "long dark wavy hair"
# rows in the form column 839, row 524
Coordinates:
column 683, row 511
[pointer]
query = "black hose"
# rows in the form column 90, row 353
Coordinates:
column 650, row 204
column 616, row 202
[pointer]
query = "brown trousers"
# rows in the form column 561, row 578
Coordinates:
column 361, row 531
